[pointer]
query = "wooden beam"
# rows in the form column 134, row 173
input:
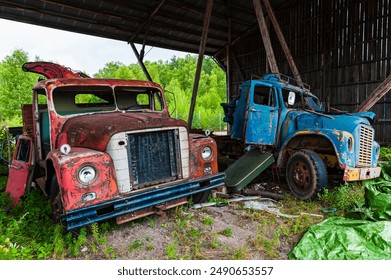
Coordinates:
column 140, row 61
column 228, row 52
column 229, row 66
column 376, row 95
column 215, row 14
column 205, row 29
column 265, row 37
column 147, row 20
column 282, row 40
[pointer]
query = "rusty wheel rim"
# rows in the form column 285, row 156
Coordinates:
column 301, row 175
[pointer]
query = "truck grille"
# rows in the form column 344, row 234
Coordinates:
column 365, row 149
column 154, row 157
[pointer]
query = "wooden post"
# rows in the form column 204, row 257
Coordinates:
column 140, row 61
column 376, row 95
column 282, row 40
column 265, row 37
column 204, row 35
column 229, row 81
column 229, row 67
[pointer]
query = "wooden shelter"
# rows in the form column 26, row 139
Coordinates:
column 342, row 48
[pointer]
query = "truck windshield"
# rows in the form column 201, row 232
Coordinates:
column 302, row 100
column 69, row 100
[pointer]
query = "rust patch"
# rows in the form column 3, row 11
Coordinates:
column 197, row 164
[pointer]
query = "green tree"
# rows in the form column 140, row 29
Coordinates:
column 109, row 70
column 15, row 86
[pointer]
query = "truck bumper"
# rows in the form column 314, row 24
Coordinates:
column 151, row 197
column 359, row 174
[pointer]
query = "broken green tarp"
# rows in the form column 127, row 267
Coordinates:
column 367, row 237
column 338, row 238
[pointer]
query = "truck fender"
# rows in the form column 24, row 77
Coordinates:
column 73, row 191
column 200, row 166
column 335, row 141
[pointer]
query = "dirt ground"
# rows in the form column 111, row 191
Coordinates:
column 230, row 231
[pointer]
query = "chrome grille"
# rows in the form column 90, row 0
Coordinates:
column 365, row 149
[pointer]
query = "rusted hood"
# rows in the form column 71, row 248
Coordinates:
column 94, row 131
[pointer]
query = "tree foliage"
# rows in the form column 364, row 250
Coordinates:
column 175, row 76
column 15, row 87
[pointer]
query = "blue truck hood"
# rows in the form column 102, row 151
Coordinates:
column 343, row 122
column 370, row 116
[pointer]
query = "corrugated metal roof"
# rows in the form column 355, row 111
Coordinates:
column 171, row 24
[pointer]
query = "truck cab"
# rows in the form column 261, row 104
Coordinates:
column 107, row 148
column 278, row 117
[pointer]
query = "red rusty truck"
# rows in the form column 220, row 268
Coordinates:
column 105, row 148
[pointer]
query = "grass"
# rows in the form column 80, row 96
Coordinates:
column 172, row 251
column 344, row 197
column 241, row 253
column 28, row 232
column 227, row 232
column 207, row 220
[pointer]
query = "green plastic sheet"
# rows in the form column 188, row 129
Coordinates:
column 367, row 237
column 338, row 238
column 378, row 195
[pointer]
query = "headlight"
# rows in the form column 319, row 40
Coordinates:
column 87, row 174
column 206, row 153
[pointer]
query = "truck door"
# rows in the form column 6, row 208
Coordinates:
column 262, row 117
column 241, row 104
column 21, row 169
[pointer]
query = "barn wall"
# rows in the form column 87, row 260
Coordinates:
column 342, row 49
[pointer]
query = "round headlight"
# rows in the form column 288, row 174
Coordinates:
column 206, row 153
column 87, row 174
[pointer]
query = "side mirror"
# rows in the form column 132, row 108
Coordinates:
column 291, row 98
column 173, row 103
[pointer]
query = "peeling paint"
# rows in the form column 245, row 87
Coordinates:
column 89, row 134
column 343, row 140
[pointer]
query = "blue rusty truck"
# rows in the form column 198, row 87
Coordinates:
column 279, row 121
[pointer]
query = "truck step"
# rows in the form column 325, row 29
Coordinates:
column 246, row 169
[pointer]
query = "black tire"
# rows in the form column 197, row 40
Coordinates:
column 55, row 198
column 306, row 174
column 201, row 197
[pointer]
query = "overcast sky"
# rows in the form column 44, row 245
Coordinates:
column 77, row 51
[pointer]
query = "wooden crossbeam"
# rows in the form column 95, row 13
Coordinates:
column 376, row 95
column 265, row 37
column 282, row 40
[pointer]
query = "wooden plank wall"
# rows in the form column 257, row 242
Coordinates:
column 342, row 48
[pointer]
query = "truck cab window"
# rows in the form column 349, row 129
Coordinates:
column 135, row 98
column 143, row 100
column 23, row 153
column 157, row 101
column 264, row 96
column 69, row 100
column 42, row 98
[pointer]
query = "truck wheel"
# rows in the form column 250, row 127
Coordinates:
column 55, row 197
column 306, row 174
column 200, row 197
